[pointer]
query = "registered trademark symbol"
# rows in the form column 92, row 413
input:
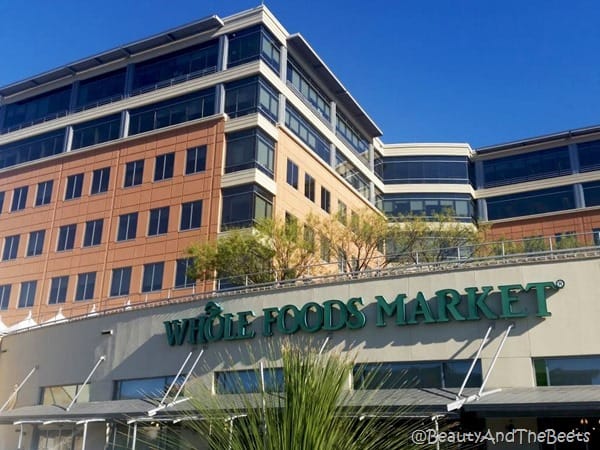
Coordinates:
column 560, row 284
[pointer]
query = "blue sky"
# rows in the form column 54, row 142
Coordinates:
column 477, row 71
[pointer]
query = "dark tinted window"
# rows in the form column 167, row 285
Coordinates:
column 163, row 168
column 44, row 193
column 191, row 215
column 74, row 186
column 27, row 294
column 96, row 131
column 35, row 245
column 121, row 280
column 127, row 226
column 58, row 290
column 100, row 179
column 134, row 173
column 86, row 283
column 19, row 200
column 93, row 232
column 66, row 237
column 195, row 160
column 11, row 247
column 153, row 277
column 533, row 202
column 159, row 221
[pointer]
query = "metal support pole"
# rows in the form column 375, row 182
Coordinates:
column 17, row 389
column 20, row 444
column 134, row 436
column 487, row 375
column 162, row 402
column 477, row 355
column 85, row 428
column 100, row 361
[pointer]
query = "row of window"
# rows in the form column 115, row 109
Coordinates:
column 134, row 171
column 199, row 60
column 423, row 169
column 310, row 190
column 460, row 206
column 127, row 229
column 543, row 201
column 85, row 284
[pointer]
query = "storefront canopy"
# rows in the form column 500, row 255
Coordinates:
column 538, row 402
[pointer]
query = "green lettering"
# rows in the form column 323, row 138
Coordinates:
column 243, row 324
column 388, row 309
column 176, row 330
column 318, row 312
column 476, row 301
column 328, row 315
column 282, row 322
column 540, row 291
column 214, row 333
column 508, row 299
column 228, row 327
column 270, row 317
column 421, row 309
column 356, row 318
column 448, row 299
column 195, row 328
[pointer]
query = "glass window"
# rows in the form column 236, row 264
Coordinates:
column 249, row 96
column 591, row 193
column 100, row 178
column 292, row 174
column 460, row 206
column 164, row 166
column 74, row 186
column 32, row 148
column 93, row 232
column 66, row 237
column 308, row 90
column 96, row 131
column 144, row 388
column 243, row 205
column 173, row 111
column 181, row 273
column 4, row 296
column 11, row 247
column 159, row 221
column 64, row 395
column 342, row 212
column 35, row 246
column 44, row 193
column 103, row 89
column 121, row 280
column 1, row 200
column 248, row 381
column 589, row 156
column 526, row 167
column 532, row 202
column 191, row 215
column 19, row 198
column 252, row 44
column 127, row 226
column 58, row 290
column 402, row 375
column 358, row 143
column 37, row 109
column 567, row 371
column 27, row 294
column 153, row 277
column 175, row 67
column 249, row 149
column 309, row 187
column 423, row 169
column 86, row 282
column 325, row 200
column 195, row 160
column 307, row 133
column 352, row 174
column 134, row 173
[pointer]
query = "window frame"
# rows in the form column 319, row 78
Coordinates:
column 164, row 166
column 127, row 227
column 42, row 197
column 93, row 236
column 37, row 248
column 99, row 185
column 74, row 186
column 60, row 290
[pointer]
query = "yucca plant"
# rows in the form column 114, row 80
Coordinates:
column 305, row 405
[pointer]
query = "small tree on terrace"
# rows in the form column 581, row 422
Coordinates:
column 433, row 240
column 359, row 244
column 239, row 256
column 292, row 244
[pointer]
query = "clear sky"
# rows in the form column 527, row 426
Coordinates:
column 479, row 71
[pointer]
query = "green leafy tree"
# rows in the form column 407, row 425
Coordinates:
column 239, row 256
column 438, row 239
column 292, row 243
column 358, row 244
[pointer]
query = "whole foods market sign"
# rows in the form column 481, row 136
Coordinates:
column 471, row 303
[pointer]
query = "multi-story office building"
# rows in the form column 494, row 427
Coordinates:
column 111, row 166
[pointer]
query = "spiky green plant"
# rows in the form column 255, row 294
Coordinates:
column 313, row 408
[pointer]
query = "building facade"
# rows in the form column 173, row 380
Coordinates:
column 111, row 166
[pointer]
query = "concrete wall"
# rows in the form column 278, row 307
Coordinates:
column 138, row 346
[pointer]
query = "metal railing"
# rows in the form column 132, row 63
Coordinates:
column 462, row 257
